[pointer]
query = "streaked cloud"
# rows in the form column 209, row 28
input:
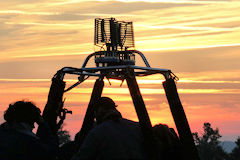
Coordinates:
column 27, row 13
column 148, row 18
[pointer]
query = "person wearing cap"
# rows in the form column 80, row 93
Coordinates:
column 113, row 137
column 18, row 142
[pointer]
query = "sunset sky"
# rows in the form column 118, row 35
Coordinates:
column 198, row 40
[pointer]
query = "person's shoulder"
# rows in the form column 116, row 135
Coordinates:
column 103, row 128
column 4, row 126
column 103, row 125
column 130, row 122
column 110, row 125
column 5, row 131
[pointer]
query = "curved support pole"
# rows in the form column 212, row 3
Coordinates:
column 87, row 59
column 189, row 149
column 61, row 73
column 142, row 55
column 89, row 116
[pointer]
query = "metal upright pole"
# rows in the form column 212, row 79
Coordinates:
column 142, row 114
column 185, row 134
column 89, row 116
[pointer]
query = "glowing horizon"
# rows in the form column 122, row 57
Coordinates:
column 197, row 39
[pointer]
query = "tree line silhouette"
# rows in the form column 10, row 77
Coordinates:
column 208, row 144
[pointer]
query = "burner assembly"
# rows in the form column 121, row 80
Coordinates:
column 115, row 59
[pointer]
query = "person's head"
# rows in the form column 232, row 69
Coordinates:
column 105, row 108
column 22, row 111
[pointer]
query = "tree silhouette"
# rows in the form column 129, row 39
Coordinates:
column 208, row 144
column 235, row 155
column 63, row 136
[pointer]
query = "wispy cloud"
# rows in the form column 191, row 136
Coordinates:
column 140, row 81
column 148, row 87
column 27, row 12
column 197, row 39
column 188, row 47
column 177, row 1
column 158, row 27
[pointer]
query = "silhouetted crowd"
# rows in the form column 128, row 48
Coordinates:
column 112, row 137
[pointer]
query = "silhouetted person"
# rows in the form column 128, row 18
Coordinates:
column 168, row 143
column 113, row 138
column 18, row 142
